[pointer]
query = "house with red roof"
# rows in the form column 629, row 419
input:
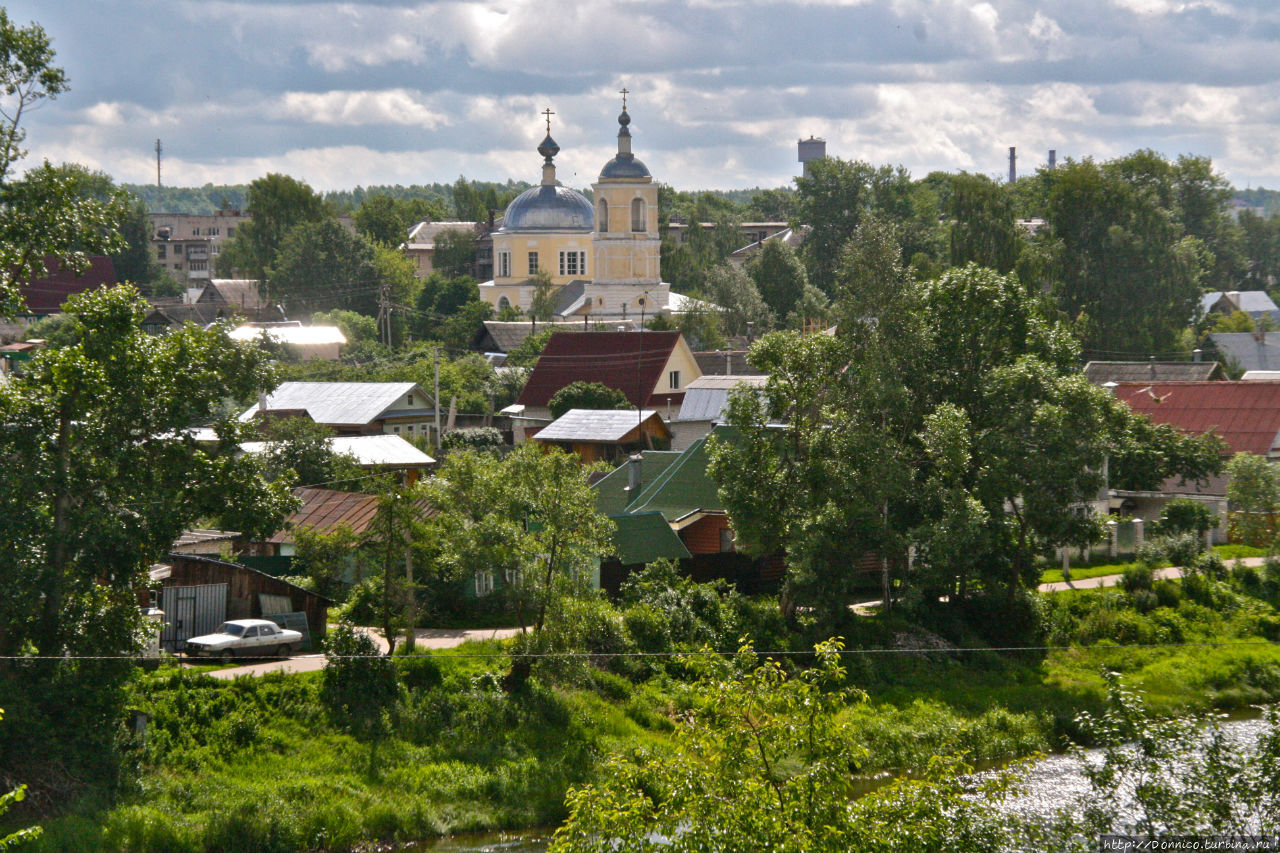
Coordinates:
column 651, row 368
column 1245, row 415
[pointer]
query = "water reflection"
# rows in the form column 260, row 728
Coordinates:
column 520, row 841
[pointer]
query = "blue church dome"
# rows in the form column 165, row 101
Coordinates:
column 624, row 166
column 549, row 208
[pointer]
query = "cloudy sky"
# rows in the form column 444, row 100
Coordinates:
column 394, row 91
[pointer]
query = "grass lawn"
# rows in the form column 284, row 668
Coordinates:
column 1055, row 575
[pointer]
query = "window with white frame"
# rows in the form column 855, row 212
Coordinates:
column 673, row 379
column 484, row 583
column 533, row 263
column 637, row 215
column 513, row 576
column 504, row 264
column 573, row 263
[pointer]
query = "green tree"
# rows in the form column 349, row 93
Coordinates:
column 543, row 305
column 100, row 477
column 833, row 199
column 586, row 395
column 742, row 310
column 326, row 559
column 1261, row 246
column 779, row 276
column 1253, row 489
column 455, row 253
column 298, row 452
column 529, row 518
column 384, row 219
column 356, row 328
column 1122, row 267
column 983, row 228
column 322, row 266
column 278, row 204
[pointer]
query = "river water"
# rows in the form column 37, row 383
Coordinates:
column 1051, row 784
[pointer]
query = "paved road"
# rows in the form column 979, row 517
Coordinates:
column 431, row 638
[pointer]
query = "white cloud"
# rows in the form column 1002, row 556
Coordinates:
column 395, row 106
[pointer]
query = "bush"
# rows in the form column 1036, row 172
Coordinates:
column 418, row 671
column 1168, row 593
column 359, row 685
column 1185, row 515
column 1210, row 565
column 473, row 438
column 1144, row 600
column 1182, row 549
column 1137, row 577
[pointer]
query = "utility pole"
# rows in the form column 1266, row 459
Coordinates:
column 411, row 599
column 384, row 313
column 436, row 394
column 159, row 187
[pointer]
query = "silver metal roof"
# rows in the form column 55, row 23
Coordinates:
column 548, row 208
column 707, row 397
column 624, row 167
column 369, row 451
column 339, row 403
column 598, row 425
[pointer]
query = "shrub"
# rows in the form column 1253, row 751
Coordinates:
column 418, row 671
column 359, row 685
column 1210, row 565
column 474, row 438
column 1182, row 549
column 1168, row 593
column 1185, row 515
column 1144, row 600
column 1137, row 577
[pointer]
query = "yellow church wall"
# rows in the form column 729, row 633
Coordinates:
column 548, row 246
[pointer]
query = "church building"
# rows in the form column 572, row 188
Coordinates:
column 603, row 260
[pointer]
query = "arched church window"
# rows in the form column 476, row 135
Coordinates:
column 637, row 215
column 504, row 303
column 602, row 216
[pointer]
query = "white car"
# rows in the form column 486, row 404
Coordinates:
column 246, row 638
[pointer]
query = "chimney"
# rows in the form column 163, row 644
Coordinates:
column 1151, row 364
column 1013, row 164
column 633, row 476
column 1053, row 159
column 1196, row 354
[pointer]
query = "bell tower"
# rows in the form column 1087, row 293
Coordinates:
column 625, row 243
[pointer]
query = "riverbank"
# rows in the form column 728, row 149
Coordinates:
column 257, row 764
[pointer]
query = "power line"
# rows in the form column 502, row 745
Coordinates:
column 722, row 653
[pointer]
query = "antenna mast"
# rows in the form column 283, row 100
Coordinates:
column 159, row 188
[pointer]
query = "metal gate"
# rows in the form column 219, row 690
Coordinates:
column 190, row 611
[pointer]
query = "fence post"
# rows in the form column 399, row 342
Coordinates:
column 1113, row 539
column 1137, row 533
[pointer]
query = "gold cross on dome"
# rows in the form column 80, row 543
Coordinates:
column 624, row 94
column 547, row 112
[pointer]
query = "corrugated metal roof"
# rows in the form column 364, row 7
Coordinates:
column 645, row 537
column 1099, row 372
column 1244, row 414
column 631, row 362
column 684, row 487
column 611, row 490
column 369, row 451
column 707, row 397
column 596, row 425
column 1248, row 352
column 325, row 509
column 509, row 334
column 338, row 403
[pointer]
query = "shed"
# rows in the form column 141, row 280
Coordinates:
column 198, row 593
column 608, row 434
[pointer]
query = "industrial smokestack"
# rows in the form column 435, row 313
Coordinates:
column 1013, row 164
column 1053, row 158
